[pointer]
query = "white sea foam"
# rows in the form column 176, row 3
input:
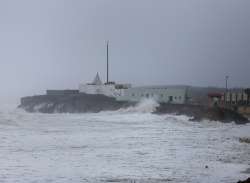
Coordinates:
column 144, row 106
column 120, row 146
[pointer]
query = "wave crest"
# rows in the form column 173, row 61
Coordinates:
column 144, row 106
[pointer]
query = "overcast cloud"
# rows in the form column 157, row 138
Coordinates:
column 57, row 44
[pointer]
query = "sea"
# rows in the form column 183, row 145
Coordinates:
column 126, row 146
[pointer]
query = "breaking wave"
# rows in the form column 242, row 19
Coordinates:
column 128, row 145
column 144, row 106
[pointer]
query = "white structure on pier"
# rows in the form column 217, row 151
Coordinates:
column 124, row 92
column 110, row 89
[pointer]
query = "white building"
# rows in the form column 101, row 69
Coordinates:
column 162, row 94
column 109, row 89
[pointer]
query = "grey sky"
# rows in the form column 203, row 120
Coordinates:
column 60, row 43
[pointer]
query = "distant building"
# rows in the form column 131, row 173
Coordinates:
column 162, row 94
column 235, row 99
column 238, row 97
column 238, row 100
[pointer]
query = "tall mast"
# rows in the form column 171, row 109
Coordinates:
column 107, row 62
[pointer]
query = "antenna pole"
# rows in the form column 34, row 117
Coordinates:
column 107, row 62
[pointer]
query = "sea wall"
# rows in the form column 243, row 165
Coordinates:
column 82, row 103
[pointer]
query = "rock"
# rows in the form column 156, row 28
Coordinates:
column 199, row 113
column 245, row 181
column 244, row 140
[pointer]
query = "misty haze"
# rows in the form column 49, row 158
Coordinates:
column 124, row 91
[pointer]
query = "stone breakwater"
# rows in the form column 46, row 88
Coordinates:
column 83, row 103
column 245, row 181
column 79, row 103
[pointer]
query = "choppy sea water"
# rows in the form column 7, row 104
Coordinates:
column 124, row 146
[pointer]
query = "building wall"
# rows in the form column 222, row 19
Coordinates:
column 235, row 98
column 239, row 96
column 108, row 90
column 245, row 97
column 161, row 94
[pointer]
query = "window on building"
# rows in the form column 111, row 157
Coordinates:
column 161, row 95
column 147, row 95
column 132, row 94
column 170, row 98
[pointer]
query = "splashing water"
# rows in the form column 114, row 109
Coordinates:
column 144, row 106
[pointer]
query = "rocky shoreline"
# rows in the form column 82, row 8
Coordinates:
column 83, row 103
column 244, row 181
column 199, row 113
